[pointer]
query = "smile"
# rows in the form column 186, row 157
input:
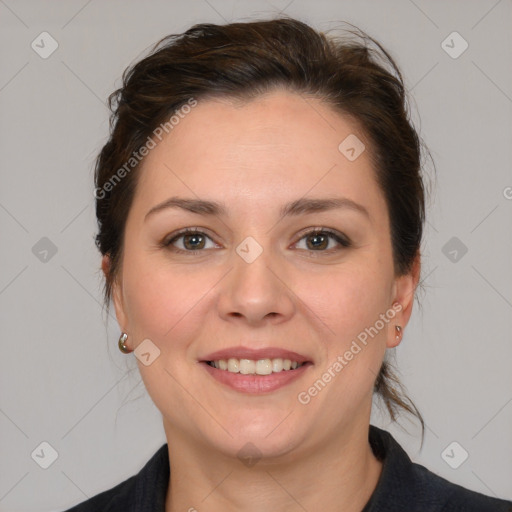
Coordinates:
column 255, row 367
column 255, row 371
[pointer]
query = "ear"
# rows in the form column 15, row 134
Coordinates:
column 404, row 291
column 117, row 294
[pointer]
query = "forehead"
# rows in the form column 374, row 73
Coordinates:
column 270, row 150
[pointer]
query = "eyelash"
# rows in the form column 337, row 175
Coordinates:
column 342, row 240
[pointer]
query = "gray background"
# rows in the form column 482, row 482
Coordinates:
column 62, row 378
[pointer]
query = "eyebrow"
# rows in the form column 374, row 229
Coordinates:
column 300, row 206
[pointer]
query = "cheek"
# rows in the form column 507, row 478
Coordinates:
column 158, row 297
column 350, row 303
column 168, row 307
column 347, row 301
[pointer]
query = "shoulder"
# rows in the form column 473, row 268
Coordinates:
column 144, row 491
column 109, row 500
column 450, row 497
column 407, row 486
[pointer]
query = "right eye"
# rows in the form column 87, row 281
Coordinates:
column 192, row 241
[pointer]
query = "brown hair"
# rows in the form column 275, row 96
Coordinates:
column 353, row 74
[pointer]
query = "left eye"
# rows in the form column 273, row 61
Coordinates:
column 319, row 240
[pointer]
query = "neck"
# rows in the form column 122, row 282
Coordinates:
column 340, row 474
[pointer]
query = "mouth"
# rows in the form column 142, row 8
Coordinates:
column 255, row 371
column 256, row 367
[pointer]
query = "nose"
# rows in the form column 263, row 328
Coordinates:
column 256, row 292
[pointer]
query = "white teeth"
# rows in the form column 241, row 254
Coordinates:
column 277, row 365
column 233, row 365
column 264, row 367
column 247, row 366
column 259, row 367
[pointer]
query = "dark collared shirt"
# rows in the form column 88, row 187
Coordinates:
column 403, row 486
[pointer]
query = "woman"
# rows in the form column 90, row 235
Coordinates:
column 260, row 207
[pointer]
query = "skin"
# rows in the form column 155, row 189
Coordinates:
column 254, row 157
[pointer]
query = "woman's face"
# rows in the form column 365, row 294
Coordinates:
column 256, row 282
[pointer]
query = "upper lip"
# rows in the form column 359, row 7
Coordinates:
column 256, row 354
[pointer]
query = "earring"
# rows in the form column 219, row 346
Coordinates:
column 398, row 332
column 122, row 347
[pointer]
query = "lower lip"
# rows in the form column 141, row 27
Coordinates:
column 256, row 384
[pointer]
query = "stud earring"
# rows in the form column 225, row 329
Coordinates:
column 398, row 332
column 122, row 347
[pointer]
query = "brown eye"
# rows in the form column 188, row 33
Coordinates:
column 194, row 241
column 319, row 240
column 189, row 241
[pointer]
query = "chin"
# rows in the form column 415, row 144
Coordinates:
column 267, row 435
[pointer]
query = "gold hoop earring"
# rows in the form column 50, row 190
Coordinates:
column 122, row 347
